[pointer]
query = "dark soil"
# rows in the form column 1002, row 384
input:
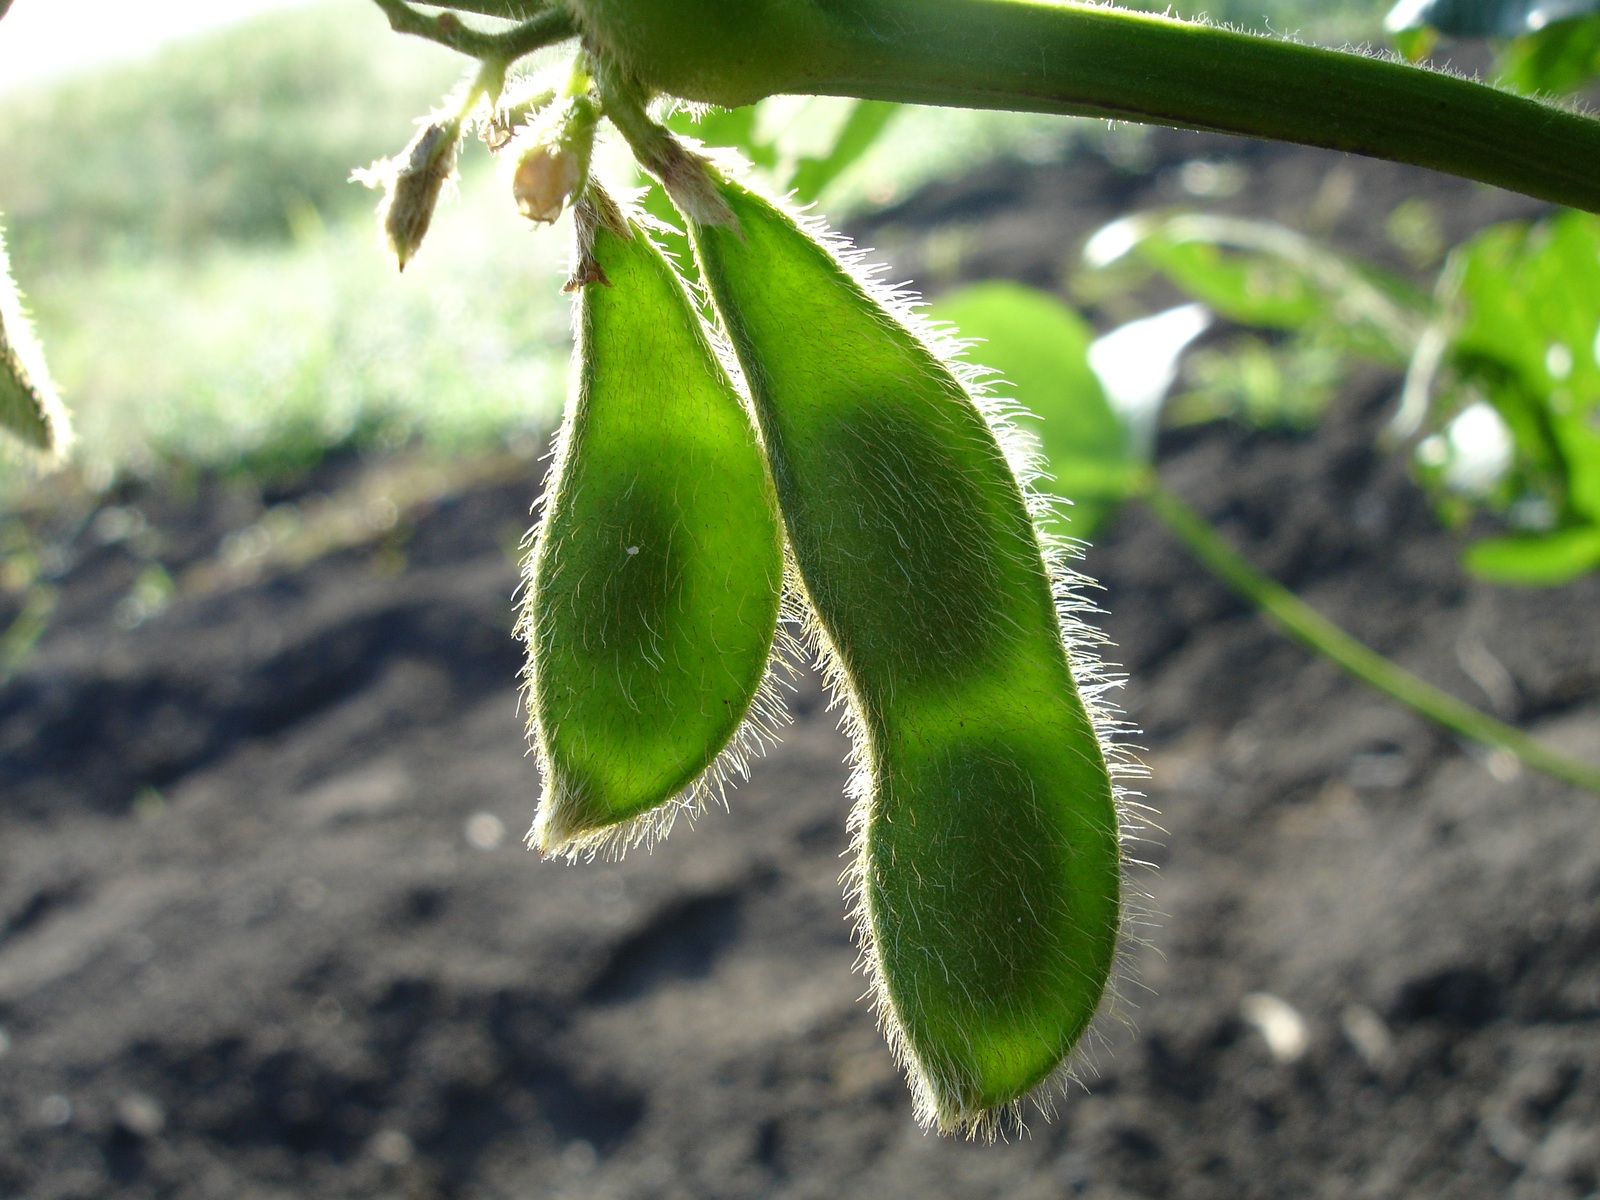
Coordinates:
column 266, row 929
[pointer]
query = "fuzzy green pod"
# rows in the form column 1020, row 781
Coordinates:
column 654, row 585
column 988, row 850
column 29, row 407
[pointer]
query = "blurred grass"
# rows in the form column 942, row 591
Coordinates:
column 219, row 137
column 262, row 358
column 208, row 285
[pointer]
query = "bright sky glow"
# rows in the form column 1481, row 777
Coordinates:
column 42, row 39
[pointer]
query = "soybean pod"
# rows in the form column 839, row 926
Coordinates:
column 653, row 587
column 987, row 854
column 30, row 410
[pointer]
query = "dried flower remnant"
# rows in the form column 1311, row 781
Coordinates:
column 544, row 180
column 411, row 183
column 554, row 162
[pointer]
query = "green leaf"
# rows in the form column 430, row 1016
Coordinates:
column 744, row 129
column 1414, row 45
column 1039, row 347
column 1558, row 59
column 1531, row 298
column 804, row 170
column 1545, row 561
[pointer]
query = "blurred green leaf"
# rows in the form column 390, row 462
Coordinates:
column 1263, row 274
column 1265, row 384
column 1558, row 59
column 865, row 124
column 1414, row 45
column 1484, row 18
column 1413, row 227
column 18, row 639
column 736, row 127
column 1528, row 334
column 770, row 144
column 1040, row 347
column 1545, row 561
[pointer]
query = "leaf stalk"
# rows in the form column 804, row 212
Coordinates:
column 1311, row 629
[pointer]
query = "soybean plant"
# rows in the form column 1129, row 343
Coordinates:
column 988, row 875
column 987, row 871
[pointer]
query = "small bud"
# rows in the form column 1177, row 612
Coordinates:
column 411, row 183
column 545, row 179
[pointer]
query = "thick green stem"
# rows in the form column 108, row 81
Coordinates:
column 1063, row 57
column 1309, row 627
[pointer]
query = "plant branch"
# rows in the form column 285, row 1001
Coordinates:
column 682, row 172
column 1305, row 625
column 1090, row 60
column 510, row 10
column 550, row 26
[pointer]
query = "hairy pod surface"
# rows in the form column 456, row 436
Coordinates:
column 655, row 580
column 29, row 406
column 989, row 859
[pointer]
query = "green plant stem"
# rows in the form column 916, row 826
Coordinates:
column 1310, row 628
column 550, row 26
column 1062, row 57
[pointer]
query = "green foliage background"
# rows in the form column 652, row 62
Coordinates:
column 206, row 279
